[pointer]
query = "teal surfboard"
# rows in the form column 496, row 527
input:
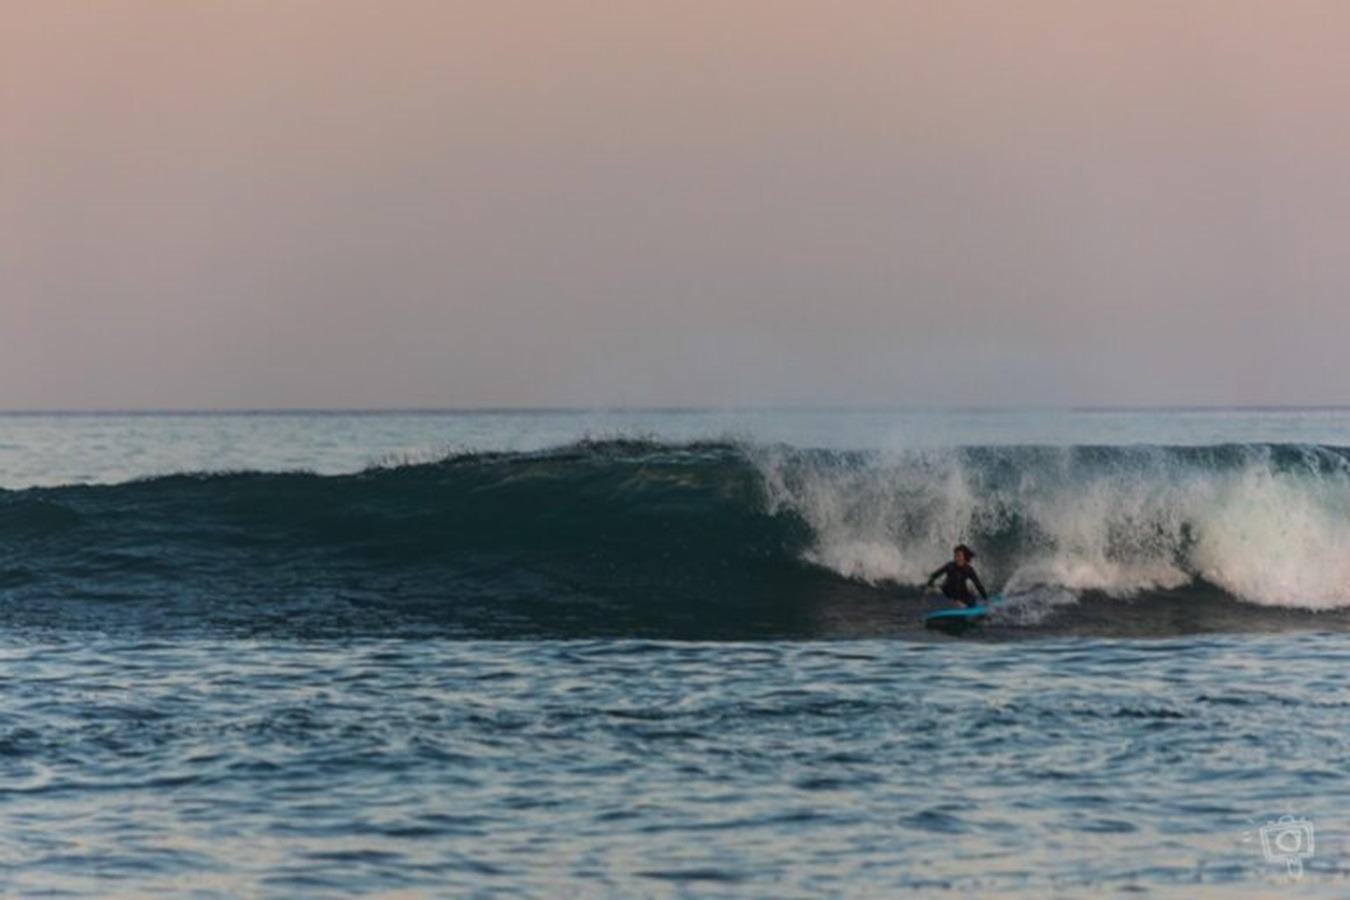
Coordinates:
column 961, row 618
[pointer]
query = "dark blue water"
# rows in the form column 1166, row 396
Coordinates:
column 628, row 767
column 674, row 665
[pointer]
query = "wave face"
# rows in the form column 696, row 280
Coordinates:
column 716, row 540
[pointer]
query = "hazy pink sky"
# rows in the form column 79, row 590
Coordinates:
column 228, row 203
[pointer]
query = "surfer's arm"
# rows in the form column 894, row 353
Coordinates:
column 979, row 587
column 938, row 574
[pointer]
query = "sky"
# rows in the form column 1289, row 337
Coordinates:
column 325, row 203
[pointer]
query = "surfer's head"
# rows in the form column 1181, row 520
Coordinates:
column 962, row 554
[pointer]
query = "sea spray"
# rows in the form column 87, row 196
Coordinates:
column 1268, row 524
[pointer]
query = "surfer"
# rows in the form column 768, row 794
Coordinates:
column 957, row 577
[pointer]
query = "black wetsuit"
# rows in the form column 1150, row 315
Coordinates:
column 954, row 586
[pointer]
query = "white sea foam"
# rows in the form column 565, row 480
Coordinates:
column 1119, row 521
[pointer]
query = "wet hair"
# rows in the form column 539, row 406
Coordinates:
column 965, row 551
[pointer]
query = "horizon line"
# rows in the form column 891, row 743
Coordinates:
column 655, row 408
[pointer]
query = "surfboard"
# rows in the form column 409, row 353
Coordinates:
column 961, row 618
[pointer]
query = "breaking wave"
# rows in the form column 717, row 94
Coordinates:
column 711, row 540
column 1266, row 524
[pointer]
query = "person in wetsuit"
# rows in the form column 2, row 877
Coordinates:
column 957, row 577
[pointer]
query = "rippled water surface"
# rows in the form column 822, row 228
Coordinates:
column 673, row 654
column 621, row 767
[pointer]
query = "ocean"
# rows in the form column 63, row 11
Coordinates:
column 673, row 653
